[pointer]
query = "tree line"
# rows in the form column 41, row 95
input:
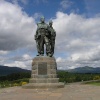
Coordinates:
column 76, row 77
column 63, row 76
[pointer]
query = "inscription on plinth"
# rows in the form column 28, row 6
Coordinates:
column 42, row 68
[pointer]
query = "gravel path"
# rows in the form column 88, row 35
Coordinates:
column 69, row 92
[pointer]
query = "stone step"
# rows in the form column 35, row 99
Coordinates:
column 44, row 80
column 43, row 85
column 44, row 76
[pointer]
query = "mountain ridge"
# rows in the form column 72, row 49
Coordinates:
column 85, row 69
column 5, row 70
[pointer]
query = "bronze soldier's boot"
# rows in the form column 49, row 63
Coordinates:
column 38, row 54
column 42, row 55
column 50, row 55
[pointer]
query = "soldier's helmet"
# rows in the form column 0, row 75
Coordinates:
column 42, row 19
column 50, row 22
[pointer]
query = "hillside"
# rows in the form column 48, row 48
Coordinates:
column 85, row 69
column 5, row 70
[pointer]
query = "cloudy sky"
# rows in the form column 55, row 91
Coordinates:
column 77, row 25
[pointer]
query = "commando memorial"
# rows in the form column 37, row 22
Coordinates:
column 44, row 66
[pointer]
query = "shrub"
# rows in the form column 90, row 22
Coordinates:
column 23, row 83
column 15, row 84
column 96, row 77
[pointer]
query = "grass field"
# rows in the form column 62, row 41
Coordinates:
column 94, row 83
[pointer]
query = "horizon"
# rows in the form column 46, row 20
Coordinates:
column 57, row 69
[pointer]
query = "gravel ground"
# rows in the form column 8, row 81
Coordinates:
column 69, row 92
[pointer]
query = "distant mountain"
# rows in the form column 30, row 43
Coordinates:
column 5, row 70
column 85, row 69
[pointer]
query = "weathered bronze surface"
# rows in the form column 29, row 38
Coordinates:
column 45, row 34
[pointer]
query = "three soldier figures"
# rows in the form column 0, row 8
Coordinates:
column 45, row 34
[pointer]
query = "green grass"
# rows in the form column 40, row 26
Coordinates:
column 94, row 83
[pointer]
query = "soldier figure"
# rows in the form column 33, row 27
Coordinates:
column 53, row 36
column 42, row 37
column 37, row 43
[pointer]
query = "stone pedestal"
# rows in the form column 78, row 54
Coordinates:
column 44, row 74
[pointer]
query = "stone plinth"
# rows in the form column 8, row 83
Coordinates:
column 44, row 74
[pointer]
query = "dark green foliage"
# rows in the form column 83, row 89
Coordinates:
column 64, row 76
column 15, row 76
column 75, row 77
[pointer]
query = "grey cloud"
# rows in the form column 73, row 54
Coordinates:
column 16, row 29
column 23, row 61
column 24, row 57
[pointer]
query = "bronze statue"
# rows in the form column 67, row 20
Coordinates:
column 53, row 36
column 45, row 34
column 42, row 37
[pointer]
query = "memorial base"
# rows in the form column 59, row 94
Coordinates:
column 44, row 74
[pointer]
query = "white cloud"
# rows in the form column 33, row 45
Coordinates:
column 65, row 4
column 78, row 37
column 37, row 16
column 17, row 31
column 23, row 61
column 59, row 59
column 16, row 64
column 23, row 58
column 26, row 57
column 16, row 27
column 2, row 60
column 3, row 52
column 76, row 31
column 17, row 1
